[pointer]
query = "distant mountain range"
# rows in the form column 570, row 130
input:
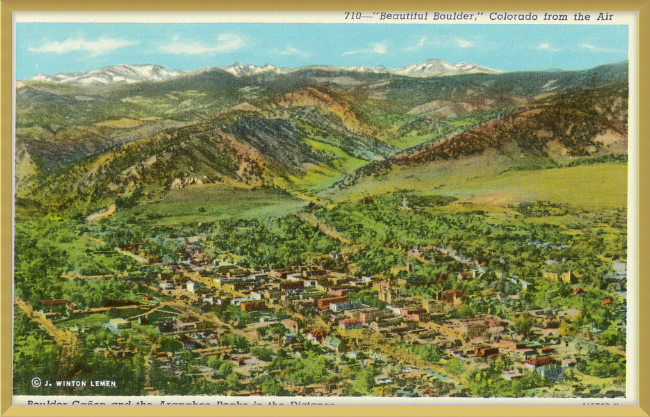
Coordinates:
column 137, row 73
column 117, row 73
column 316, row 132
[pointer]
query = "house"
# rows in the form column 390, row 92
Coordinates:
column 567, row 363
column 578, row 291
column 207, row 299
column 317, row 335
column 338, row 291
column 166, row 285
column 510, row 375
column 553, row 372
column 324, row 303
column 395, row 309
column 538, row 362
column 193, row 286
column 187, row 342
column 369, row 315
column 292, row 287
column 383, row 379
column 253, row 306
column 350, row 324
column 290, row 324
column 608, row 302
column 420, row 316
column 333, row 343
column 295, row 277
column 486, row 351
column 338, row 307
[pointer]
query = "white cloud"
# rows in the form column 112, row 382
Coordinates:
column 424, row 41
column 99, row 47
column 175, row 38
column 229, row 42
column 464, row 43
column 290, row 50
column 598, row 49
column 547, row 47
column 373, row 48
column 225, row 42
column 379, row 48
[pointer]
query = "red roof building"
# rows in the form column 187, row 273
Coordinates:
column 253, row 305
column 350, row 324
column 485, row 351
column 324, row 303
column 535, row 363
column 317, row 335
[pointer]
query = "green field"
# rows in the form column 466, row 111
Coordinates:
column 325, row 175
column 211, row 202
column 588, row 186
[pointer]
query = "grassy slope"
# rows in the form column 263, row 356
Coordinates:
column 218, row 201
column 588, row 186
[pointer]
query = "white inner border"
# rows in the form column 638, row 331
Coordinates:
column 620, row 18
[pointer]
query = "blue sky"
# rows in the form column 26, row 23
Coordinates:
column 51, row 48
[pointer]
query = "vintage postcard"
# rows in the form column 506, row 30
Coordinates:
column 360, row 207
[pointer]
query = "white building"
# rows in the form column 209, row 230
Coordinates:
column 193, row 286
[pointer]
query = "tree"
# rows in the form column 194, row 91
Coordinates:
column 365, row 382
column 233, row 381
column 455, row 366
column 524, row 325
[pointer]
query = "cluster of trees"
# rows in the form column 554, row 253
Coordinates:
column 603, row 364
column 35, row 354
column 518, row 248
column 376, row 259
column 489, row 382
column 274, row 242
column 94, row 293
column 47, row 247
column 431, row 353
column 368, row 297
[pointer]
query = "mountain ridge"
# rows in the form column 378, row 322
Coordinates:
column 153, row 72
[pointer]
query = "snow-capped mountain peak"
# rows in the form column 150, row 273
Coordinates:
column 118, row 73
column 240, row 70
column 434, row 67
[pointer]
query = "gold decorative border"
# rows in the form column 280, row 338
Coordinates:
column 6, row 205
